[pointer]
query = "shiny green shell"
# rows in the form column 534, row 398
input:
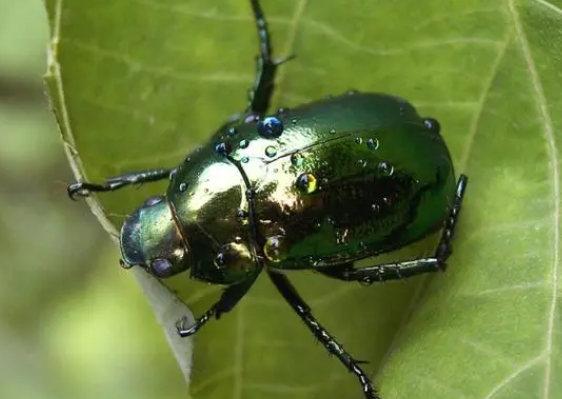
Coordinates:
column 348, row 177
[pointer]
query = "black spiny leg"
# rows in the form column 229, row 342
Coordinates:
column 83, row 189
column 229, row 298
column 286, row 289
column 262, row 91
column 400, row 270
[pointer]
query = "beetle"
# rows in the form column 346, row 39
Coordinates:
column 316, row 187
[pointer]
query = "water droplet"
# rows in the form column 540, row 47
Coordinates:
column 352, row 92
column 183, row 187
column 307, row 183
column 232, row 131
column 270, row 127
column 324, row 180
column 297, row 159
column 375, row 207
column 294, row 121
column 373, row 143
column 275, row 249
column 386, row 169
column 245, row 160
column 244, row 143
column 154, row 200
column 358, row 140
column 221, row 260
column 317, row 225
column 332, row 131
column 282, row 111
column 223, row 148
column 270, row 151
column 251, row 118
column 241, row 214
column 432, row 124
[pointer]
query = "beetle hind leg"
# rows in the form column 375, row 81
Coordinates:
column 300, row 307
column 401, row 270
column 444, row 249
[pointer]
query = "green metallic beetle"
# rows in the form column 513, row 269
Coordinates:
column 315, row 187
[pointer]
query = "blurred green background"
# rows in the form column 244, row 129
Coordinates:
column 65, row 306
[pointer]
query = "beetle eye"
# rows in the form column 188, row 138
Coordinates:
column 161, row 268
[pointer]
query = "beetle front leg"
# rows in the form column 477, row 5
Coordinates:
column 84, row 189
column 266, row 68
column 228, row 300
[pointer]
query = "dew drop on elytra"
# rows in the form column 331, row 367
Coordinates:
column 223, row 148
column 241, row 214
column 306, row 183
column 297, row 159
column 386, row 169
column 275, row 249
column 270, row 151
column 270, row 127
column 373, row 143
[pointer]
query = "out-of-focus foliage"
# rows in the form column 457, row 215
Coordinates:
column 71, row 324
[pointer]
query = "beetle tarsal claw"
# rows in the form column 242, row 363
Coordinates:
column 283, row 60
column 180, row 324
column 77, row 190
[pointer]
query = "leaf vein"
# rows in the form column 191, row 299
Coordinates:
column 480, row 109
column 520, row 370
column 551, row 144
column 549, row 6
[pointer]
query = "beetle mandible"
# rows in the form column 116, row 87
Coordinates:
column 318, row 187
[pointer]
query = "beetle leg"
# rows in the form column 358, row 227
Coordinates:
column 266, row 68
column 444, row 249
column 84, row 189
column 400, row 270
column 229, row 298
column 288, row 292
column 383, row 272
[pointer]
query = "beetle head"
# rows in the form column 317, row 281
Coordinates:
column 150, row 238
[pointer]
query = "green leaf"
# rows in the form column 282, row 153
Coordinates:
column 138, row 83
